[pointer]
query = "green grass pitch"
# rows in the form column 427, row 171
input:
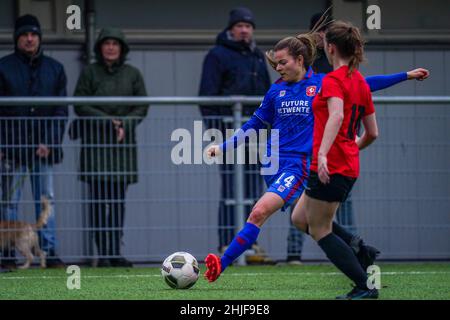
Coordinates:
column 399, row 281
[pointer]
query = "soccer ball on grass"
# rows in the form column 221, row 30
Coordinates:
column 180, row 270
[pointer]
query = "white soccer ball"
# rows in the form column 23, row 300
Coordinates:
column 180, row 270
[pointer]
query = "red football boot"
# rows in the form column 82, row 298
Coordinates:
column 213, row 266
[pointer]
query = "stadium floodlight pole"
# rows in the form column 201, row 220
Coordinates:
column 239, row 178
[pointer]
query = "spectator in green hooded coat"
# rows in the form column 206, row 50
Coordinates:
column 108, row 158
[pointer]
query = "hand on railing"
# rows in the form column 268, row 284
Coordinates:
column 118, row 126
column 418, row 74
column 42, row 151
column 214, row 151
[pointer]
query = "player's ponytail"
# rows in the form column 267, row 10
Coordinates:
column 270, row 59
column 349, row 42
column 308, row 48
column 304, row 45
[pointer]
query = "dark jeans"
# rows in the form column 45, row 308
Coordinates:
column 12, row 181
column 107, row 211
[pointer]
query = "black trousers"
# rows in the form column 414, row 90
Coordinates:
column 107, row 212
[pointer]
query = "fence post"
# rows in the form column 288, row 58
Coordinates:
column 239, row 179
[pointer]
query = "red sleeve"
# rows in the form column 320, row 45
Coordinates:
column 331, row 87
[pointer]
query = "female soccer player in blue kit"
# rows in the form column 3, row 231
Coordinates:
column 287, row 107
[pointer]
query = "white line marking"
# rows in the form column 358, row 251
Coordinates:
column 124, row 276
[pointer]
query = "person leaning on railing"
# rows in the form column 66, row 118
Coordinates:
column 108, row 159
column 30, row 137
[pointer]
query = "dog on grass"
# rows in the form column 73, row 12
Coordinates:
column 23, row 236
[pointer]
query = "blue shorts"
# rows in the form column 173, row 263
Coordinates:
column 290, row 180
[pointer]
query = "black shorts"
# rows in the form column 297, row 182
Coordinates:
column 335, row 191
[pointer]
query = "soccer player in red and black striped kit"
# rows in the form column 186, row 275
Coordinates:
column 342, row 103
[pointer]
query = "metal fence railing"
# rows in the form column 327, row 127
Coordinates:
column 171, row 207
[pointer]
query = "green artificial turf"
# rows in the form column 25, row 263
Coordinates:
column 399, row 281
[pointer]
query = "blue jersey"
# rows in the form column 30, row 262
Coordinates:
column 287, row 107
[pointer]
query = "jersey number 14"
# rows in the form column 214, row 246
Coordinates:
column 287, row 181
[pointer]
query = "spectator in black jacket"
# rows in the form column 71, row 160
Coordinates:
column 234, row 66
column 30, row 137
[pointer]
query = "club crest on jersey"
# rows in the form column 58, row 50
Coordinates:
column 311, row 91
column 281, row 188
column 282, row 93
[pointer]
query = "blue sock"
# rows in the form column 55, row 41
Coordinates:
column 241, row 242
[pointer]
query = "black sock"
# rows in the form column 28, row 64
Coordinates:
column 342, row 256
column 354, row 241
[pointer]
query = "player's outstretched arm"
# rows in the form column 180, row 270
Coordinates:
column 381, row 82
column 238, row 138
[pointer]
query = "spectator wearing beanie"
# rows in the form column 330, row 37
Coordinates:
column 30, row 137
